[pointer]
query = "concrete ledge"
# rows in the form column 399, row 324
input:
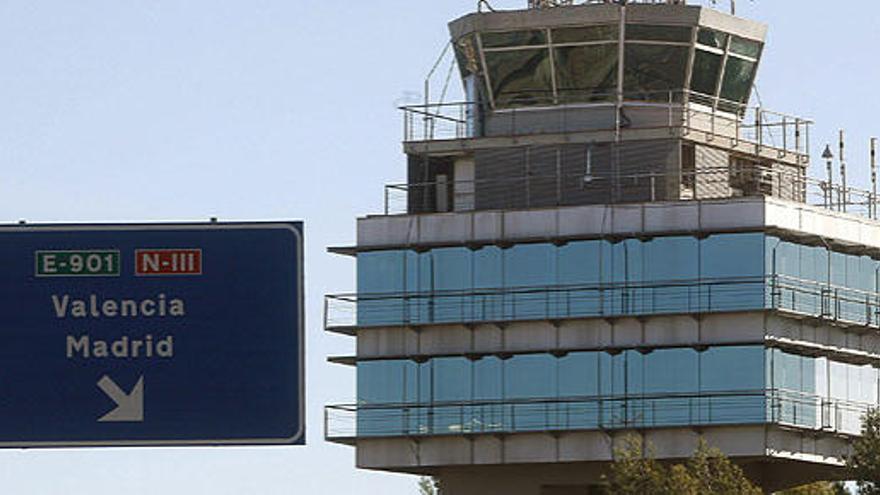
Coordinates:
column 568, row 335
column 599, row 221
column 774, row 457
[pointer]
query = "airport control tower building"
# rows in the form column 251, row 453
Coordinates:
column 605, row 239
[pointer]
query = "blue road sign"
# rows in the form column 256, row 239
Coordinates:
column 151, row 335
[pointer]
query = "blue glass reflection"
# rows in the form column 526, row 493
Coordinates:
column 667, row 275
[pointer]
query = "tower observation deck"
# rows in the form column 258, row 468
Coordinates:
column 607, row 238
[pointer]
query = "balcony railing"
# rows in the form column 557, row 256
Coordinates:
column 773, row 406
column 553, row 190
column 557, row 302
column 721, row 119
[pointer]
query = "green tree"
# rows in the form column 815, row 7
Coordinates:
column 713, row 472
column 635, row 472
column 428, row 486
column 864, row 463
column 818, row 488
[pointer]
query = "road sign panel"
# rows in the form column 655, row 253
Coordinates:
column 151, row 335
column 92, row 263
column 168, row 262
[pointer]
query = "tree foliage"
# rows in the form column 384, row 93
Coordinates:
column 635, row 472
column 428, row 486
column 818, row 488
column 864, row 463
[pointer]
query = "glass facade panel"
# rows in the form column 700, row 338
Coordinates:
column 528, row 379
column 514, row 38
column 668, row 373
column 520, row 77
column 586, row 34
column 451, row 383
column 647, row 32
column 380, row 273
column 732, row 380
column 735, row 280
column 667, row 260
column 817, row 392
column 747, row 48
column 579, row 266
column 381, row 382
column 487, row 302
column 488, row 414
column 624, row 266
column 712, row 38
column 529, row 274
column 627, row 389
column 664, row 275
column 707, row 70
column 578, row 389
column 738, row 77
column 450, row 270
column 651, row 72
column 586, row 73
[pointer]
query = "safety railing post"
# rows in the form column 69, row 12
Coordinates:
column 462, row 120
column 759, row 129
column 785, row 135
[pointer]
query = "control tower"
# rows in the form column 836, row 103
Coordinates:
column 606, row 239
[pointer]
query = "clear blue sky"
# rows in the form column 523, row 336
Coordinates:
column 276, row 109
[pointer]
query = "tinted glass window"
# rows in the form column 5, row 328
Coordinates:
column 450, row 275
column 651, row 71
column 670, row 371
column 668, row 259
column 738, row 78
column 578, row 375
column 514, row 38
column 528, row 267
column 707, row 70
column 452, row 379
column 725, row 369
column 586, row 73
column 380, row 271
column 486, row 303
column 586, row 34
column 712, row 38
column 732, row 255
column 520, row 77
column 380, row 382
column 742, row 46
column 646, row 32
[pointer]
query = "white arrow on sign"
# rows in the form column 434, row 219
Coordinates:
column 129, row 407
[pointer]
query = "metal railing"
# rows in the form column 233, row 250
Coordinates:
column 720, row 119
column 771, row 406
column 551, row 190
column 554, row 190
column 555, row 302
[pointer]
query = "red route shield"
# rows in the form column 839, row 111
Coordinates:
column 156, row 262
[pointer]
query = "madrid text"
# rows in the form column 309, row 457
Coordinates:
column 94, row 307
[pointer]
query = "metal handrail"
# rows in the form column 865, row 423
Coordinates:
column 696, row 185
column 765, row 406
column 684, row 108
column 775, row 292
